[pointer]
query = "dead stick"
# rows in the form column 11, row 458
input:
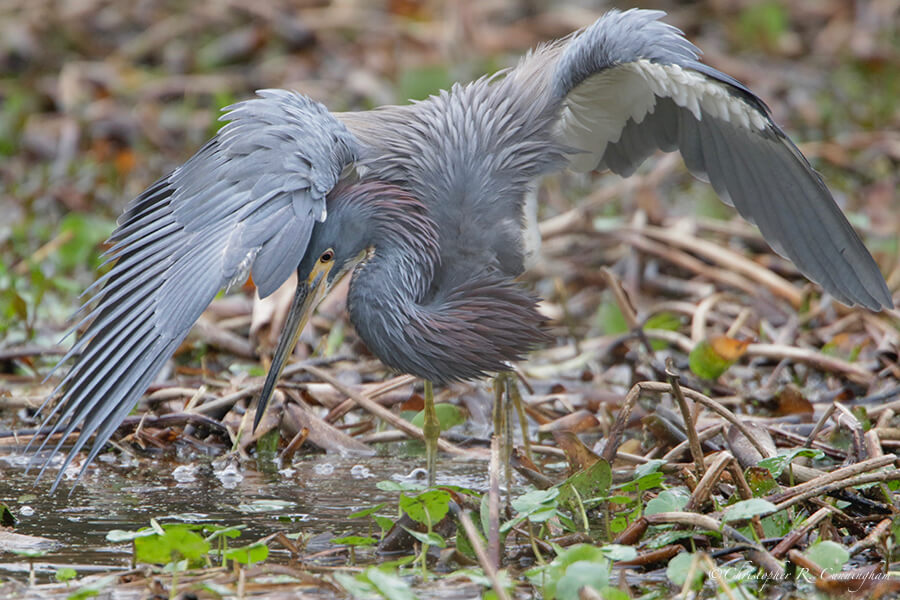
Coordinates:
column 696, row 450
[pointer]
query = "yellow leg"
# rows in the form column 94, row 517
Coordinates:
column 431, row 428
column 520, row 411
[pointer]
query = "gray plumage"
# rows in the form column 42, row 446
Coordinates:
column 433, row 204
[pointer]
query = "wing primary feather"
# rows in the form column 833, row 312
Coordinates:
column 629, row 84
column 184, row 239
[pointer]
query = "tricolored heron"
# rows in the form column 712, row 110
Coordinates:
column 425, row 205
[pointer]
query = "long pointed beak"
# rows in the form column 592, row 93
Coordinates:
column 306, row 297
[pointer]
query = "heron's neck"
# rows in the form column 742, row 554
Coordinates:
column 465, row 332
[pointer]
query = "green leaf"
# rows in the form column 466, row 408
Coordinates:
column 651, row 466
column 761, row 481
column 177, row 541
column 365, row 512
column 385, row 523
column 65, row 574
column 665, row 321
column 537, row 506
column 667, row 501
column 217, row 531
column 354, row 540
column 706, row 363
column 777, row 464
column 535, row 500
column 28, row 553
column 6, row 517
column 617, row 552
column 248, row 555
column 829, row 555
column 428, row 507
column 93, row 588
column 448, row 415
column 356, row 587
column 464, row 544
column 643, row 483
column 389, row 584
column 680, row 566
column 579, row 575
column 746, row 509
column 550, row 577
column 589, row 483
column 609, row 317
column 432, row 539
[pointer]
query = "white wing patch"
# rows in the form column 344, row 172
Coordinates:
column 598, row 109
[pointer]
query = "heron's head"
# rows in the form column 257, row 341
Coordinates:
column 360, row 217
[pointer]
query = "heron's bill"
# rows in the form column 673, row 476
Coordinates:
column 307, row 296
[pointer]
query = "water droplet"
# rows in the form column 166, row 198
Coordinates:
column 324, row 469
column 360, row 472
column 185, row 473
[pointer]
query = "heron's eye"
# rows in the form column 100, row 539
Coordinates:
column 327, row 256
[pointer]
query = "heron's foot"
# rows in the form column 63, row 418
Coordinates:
column 431, row 429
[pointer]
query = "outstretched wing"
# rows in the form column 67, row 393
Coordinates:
column 631, row 84
column 246, row 202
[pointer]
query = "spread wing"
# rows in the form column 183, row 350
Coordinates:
column 630, row 84
column 246, row 202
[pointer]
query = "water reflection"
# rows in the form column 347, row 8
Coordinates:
column 312, row 496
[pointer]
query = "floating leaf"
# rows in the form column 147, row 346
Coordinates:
column 118, row 536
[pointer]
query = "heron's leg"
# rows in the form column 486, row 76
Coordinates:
column 431, row 429
column 520, row 412
column 502, row 423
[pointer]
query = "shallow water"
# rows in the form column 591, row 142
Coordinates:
column 312, row 496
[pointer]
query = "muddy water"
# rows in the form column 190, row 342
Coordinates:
column 312, row 496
